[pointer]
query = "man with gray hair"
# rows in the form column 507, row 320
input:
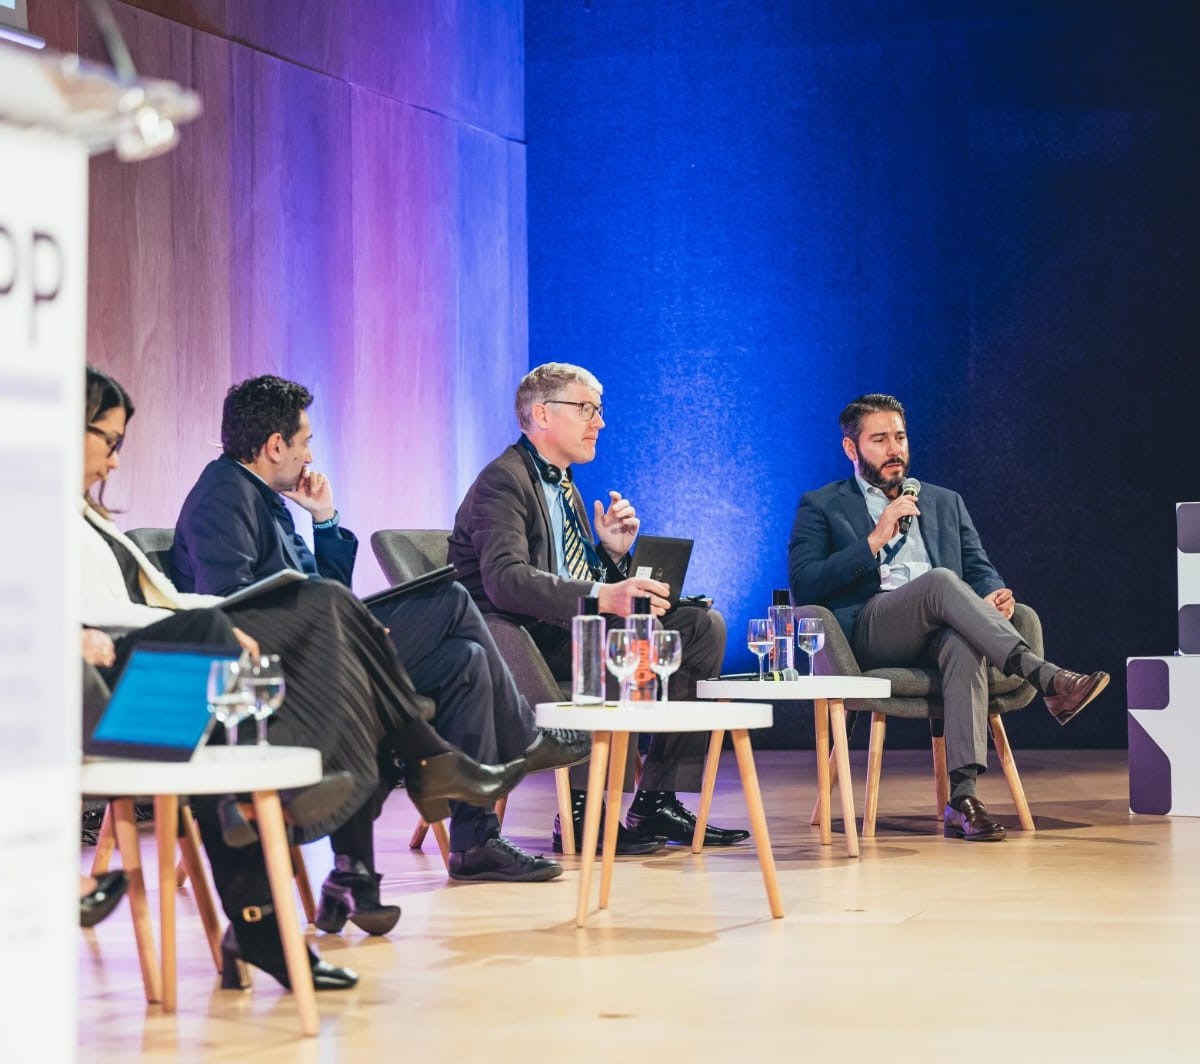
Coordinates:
column 523, row 546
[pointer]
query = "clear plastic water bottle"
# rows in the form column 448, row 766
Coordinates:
column 641, row 622
column 782, row 631
column 587, row 653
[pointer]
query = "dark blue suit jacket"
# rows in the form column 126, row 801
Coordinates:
column 233, row 530
column 831, row 565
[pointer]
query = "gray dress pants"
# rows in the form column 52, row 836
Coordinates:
column 939, row 618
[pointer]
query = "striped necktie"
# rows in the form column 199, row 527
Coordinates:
column 574, row 549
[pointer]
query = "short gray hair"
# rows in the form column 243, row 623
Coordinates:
column 547, row 381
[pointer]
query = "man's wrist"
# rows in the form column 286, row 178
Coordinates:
column 327, row 522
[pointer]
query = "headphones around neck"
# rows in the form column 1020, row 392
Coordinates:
column 549, row 472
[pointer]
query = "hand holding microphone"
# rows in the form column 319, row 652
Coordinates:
column 912, row 488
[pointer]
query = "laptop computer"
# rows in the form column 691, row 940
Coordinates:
column 159, row 709
column 662, row 558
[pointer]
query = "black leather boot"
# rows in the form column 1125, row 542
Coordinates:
column 351, row 892
column 628, row 844
column 253, row 937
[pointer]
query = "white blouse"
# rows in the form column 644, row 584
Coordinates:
column 106, row 602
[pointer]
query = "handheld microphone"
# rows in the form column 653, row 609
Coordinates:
column 911, row 486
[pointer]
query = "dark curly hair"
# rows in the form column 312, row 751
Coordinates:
column 851, row 418
column 258, row 408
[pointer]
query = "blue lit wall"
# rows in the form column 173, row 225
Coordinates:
column 741, row 215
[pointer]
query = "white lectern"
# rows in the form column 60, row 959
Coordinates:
column 55, row 111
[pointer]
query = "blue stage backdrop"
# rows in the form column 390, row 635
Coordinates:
column 741, row 215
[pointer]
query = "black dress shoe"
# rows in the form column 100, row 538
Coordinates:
column 351, row 892
column 628, row 844
column 971, row 821
column 99, row 902
column 673, row 821
column 498, row 860
column 1073, row 691
column 432, row 781
column 259, row 945
column 556, row 748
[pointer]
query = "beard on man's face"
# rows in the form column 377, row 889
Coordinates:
column 873, row 474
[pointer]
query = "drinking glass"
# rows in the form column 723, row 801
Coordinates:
column 666, row 652
column 228, row 700
column 262, row 677
column 758, row 639
column 622, row 658
column 810, row 637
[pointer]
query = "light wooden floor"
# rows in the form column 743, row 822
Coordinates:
column 1079, row 942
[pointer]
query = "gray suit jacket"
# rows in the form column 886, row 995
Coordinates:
column 503, row 547
column 830, row 563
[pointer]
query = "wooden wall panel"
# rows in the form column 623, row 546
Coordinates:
column 328, row 232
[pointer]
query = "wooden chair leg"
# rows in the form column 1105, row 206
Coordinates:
column 816, row 813
column 125, row 831
column 442, row 838
column 616, row 776
column 874, row 773
column 821, row 727
column 1004, row 752
column 758, row 819
column 941, row 778
column 601, row 743
column 562, row 787
column 841, row 750
column 189, row 846
column 418, row 835
column 501, row 808
column 166, row 824
column 269, row 812
column 708, row 784
column 303, row 885
column 105, row 841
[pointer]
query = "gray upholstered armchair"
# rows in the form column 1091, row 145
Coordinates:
column 917, row 693
column 404, row 553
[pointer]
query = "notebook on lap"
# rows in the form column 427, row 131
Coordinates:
column 159, row 709
column 662, row 558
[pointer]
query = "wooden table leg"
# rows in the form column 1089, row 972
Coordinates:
column 442, row 838
column 601, row 743
column 758, row 818
column 821, row 727
column 125, row 831
column 841, row 748
column 816, row 813
column 189, row 846
column 166, row 825
column 707, row 785
column 566, row 817
column 612, row 820
column 105, row 839
column 273, row 834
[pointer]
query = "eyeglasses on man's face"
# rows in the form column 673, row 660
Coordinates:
column 112, row 440
column 586, row 410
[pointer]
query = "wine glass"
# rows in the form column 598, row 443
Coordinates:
column 810, row 637
column 228, row 701
column 622, row 658
column 666, row 652
column 758, row 639
column 262, row 677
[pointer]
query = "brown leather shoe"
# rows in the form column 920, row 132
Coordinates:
column 1073, row 691
column 973, row 822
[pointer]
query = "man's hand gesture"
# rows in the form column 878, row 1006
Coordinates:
column 313, row 493
column 617, row 527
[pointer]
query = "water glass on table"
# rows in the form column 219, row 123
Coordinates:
column 666, row 652
column 758, row 639
column 810, row 637
column 622, row 658
column 262, row 677
column 228, row 700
